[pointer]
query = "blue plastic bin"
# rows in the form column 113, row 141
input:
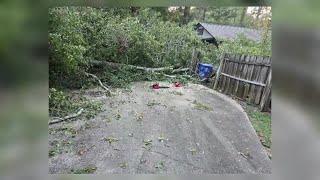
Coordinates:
column 205, row 70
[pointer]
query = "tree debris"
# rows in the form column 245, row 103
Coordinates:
column 193, row 151
column 111, row 139
column 123, row 165
column 101, row 84
column 160, row 165
column 147, row 144
column 66, row 117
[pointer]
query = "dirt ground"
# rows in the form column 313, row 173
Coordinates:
column 184, row 130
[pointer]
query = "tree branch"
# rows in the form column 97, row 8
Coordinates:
column 66, row 117
column 95, row 77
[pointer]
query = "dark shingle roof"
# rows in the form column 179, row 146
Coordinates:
column 231, row 32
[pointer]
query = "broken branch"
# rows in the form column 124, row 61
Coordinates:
column 95, row 77
column 67, row 117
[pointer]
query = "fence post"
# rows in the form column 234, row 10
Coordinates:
column 219, row 72
column 266, row 92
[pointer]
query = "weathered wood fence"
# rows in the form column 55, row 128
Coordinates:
column 246, row 77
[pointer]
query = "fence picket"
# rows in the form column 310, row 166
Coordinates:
column 244, row 76
column 238, row 73
column 262, row 79
column 249, row 77
column 255, row 77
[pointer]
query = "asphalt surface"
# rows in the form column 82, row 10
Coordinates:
column 186, row 130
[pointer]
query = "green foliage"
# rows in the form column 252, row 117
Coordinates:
column 61, row 105
column 86, row 170
column 79, row 34
column 261, row 122
column 151, row 39
column 66, row 43
column 59, row 147
column 242, row 45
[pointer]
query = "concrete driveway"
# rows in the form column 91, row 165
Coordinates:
column 185, row 130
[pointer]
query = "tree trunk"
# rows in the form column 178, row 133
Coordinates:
column 243, row 14
column 186, row 15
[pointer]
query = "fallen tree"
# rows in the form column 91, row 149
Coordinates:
column 118, row 65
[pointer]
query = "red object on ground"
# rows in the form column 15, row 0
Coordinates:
column 177, row 84
column 155, row 86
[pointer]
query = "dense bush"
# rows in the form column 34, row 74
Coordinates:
column 80, row 34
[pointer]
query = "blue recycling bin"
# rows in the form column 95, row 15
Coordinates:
column 205, row 70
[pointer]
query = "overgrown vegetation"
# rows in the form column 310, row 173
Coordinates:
column 149, row 38
column 61, row 104
column 78, row 35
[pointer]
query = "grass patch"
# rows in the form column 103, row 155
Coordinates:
column 201, row 106
column 86, row 170
column 66, row 130
column 59, row 147
column 261, row 122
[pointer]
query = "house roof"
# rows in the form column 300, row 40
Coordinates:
column 231, row 32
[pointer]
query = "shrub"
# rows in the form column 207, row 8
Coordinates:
column 80, row 34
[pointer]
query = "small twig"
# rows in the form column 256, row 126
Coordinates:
column 103, row 86
column 66, row 117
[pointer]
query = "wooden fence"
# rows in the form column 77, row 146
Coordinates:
column 246, row 77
